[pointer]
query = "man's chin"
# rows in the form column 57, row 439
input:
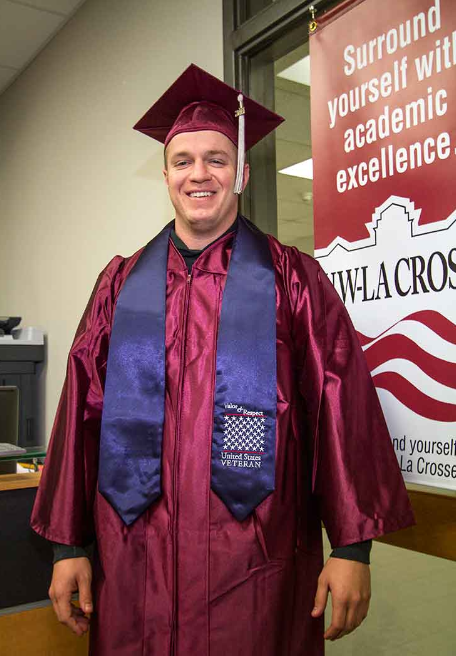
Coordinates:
column 203, row 222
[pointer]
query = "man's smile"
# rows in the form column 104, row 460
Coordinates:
column 201, row 194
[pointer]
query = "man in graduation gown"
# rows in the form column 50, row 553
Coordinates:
column 217, row 408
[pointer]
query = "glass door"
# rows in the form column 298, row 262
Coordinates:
column 294, row 150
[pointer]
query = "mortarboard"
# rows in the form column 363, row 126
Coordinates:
column 199, row 101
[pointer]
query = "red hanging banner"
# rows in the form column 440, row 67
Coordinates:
column 383, row 100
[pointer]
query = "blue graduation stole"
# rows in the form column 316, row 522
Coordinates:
column 245, row 404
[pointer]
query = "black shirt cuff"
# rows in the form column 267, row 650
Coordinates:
column 359, row 551
column 63, row 551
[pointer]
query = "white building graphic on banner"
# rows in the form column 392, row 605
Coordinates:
column 399, row 286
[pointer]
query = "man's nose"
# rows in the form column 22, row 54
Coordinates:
column 200, row 172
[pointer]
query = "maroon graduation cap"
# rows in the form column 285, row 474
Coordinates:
column 199, row 101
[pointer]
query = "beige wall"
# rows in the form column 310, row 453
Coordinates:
column 77, row 184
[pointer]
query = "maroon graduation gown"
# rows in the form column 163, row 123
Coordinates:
column 186, row 577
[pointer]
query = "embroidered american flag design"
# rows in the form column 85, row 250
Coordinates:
column 243, row 431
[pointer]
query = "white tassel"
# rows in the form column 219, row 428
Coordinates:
column 240, row 113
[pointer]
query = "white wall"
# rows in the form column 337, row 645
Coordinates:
column 77, row 184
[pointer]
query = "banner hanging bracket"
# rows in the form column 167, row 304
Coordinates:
column 312, row 23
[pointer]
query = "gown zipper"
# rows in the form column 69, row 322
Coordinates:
column 176, row 463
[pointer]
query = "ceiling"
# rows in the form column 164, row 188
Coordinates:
column 26, row 27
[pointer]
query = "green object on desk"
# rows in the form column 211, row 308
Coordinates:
column 31, row 452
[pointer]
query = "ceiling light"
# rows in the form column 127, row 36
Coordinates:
column 300, row 170
column 299, row 72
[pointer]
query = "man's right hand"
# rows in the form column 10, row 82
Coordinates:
column 69, row 576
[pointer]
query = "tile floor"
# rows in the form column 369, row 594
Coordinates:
column 413, row 608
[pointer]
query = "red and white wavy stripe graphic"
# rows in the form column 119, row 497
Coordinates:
column 415, row 361
column 429, row 318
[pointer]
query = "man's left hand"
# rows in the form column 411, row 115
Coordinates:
column 349, row 584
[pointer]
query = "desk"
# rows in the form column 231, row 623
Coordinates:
column 28, row 625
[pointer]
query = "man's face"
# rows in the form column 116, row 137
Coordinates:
column 200, row 174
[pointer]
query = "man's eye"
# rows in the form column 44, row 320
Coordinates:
column 217, row 161
column 181, row 162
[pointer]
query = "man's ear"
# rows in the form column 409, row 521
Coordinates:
column 165, row 175
column 246, row 176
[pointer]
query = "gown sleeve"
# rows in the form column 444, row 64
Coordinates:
column 356, row 478
column 63, row 506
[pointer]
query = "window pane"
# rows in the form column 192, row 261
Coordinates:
column 252, row 7
column 294, row 150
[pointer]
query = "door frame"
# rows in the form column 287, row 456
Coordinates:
column 250, row 48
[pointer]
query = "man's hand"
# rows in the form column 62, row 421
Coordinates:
column 349, row 584
column 72, row 575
